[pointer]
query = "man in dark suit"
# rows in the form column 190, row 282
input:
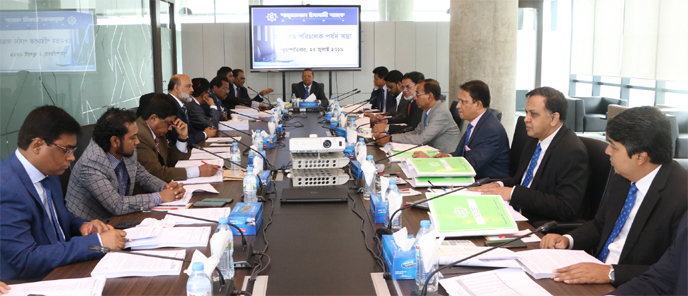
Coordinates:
column 219, row 88
column 669, row 276
column 238, row 94
column 200, row 98
column 642, row 206
column 39, row 234
column 553, row 172
column 487, row 147
column 394, row 102
column 179, row 90
column 379, row 93
column 408, row 113
column 307, row 87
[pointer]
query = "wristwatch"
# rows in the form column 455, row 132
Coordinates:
column 387, row 128
column 182, row 140
column 611, row 273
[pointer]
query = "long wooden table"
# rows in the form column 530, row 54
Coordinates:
column 305, row 257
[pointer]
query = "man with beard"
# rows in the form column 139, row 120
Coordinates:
column 102, row 182
column 179, row 90
column 408, row 111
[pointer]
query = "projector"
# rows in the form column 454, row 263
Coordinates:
column 315, row 144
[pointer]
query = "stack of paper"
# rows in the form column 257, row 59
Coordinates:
column 195, row 163
column 240, row 124
column 507, row 281
column 499, row 257
column 114, row 265
column 540, row 263
column 142, row 232
column 437, row 167
column 441, row 181
column 409, row 154
column 92, row 286
column 209, row 214
column 243, row 110
column 222, row 141
column 208, row 156
column 459, row 214
column 211, row 149
column 227, row 175
column 186, row 200
column 175, row 237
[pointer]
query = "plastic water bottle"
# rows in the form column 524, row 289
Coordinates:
column 272, row 125
column 258, row 140
column 421, row 276
column 250, row 186
column 351, row 133
column 199, row 283
column 330, row 102
column 342, row 119
column 370, row 187
column 235, row 156
column 392, row 190
column 361, row 150
column 335, row 109
column 226, row 264
column 294, row 101
column 251, row 155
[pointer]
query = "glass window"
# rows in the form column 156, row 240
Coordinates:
column 431, row 11
column 642, row 82
column 641, row 97
column 610, row 91
column 677, row 85
column 610, row 79
column 526, row 48
column 583, row 89
column 195, row 11
column 584, row 77
column 676, row 100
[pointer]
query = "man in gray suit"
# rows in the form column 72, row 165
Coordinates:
column 437, row 128
column 102, row 183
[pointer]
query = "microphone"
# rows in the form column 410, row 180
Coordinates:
column 545, row 227
column 238, row 113
column 229, row 286
column 395, row 154
column 249, row 147
column 246, row 247
column 346, row 93
column 407, row 129
column 388, row 229
column 228, row 163
column 261, row 96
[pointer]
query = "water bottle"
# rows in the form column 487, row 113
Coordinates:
column 393, row 190
column 235, row 156
column 251, row 155
column 421, row 276
column 226, row 264
column 294, row 101
column 351, row 133
column 199, row 283
column 330, row 103
column 250, row 184
column 361, row 150
column 272, row 125
column 258, row 141
column 370, row 187
column 335, row 108
column 342, row 119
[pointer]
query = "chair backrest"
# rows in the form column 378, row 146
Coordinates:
column 497, row 113
column 455, row 114
column 613, row 110
column 574, row 114
column 82, row 141
column 600, row 168
column 517, row 143
column 521, row 100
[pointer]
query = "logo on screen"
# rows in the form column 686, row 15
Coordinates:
column 271, row 17
column 71, row 20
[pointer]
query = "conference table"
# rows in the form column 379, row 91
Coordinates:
column 313, row 248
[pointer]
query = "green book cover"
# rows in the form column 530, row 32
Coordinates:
column 471, row 215
column 409, row 154
column 441, row 181
column 447, row 166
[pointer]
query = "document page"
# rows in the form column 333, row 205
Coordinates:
column 500, row 257
column 190, row 189
column 195, row 163
column 206, row 155
column 175, row 237
column 503, row 282
column 222, row 139
column 211, row 149
column 217, row 178
column 210, row 214
column 91, row 286
column 115, row 265
column 136, row 233
column 541, row 262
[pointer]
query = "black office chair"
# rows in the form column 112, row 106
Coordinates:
column 517, row 143
column 82, row 141
column 455, row 114
column 497, row 113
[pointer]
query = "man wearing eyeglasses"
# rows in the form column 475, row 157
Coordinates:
column 39, row 234
column 437, row 127
column 408, row 112
column 155, row 153
column 219, row 88
column 102, row 183
column 238, row 94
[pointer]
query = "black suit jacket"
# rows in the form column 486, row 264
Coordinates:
column 489, row 147
column 316, row 88
column 557, row 189
column 666, row 277
column 195, row 135
column 197, row 116
column 653, row 229
column 410, row 114
column 376, row 98
column 241, row 98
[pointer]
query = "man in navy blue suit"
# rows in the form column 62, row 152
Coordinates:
column 485, row 144
column 39, row 234
column 379, row 93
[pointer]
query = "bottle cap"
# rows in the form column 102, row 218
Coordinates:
column 425, row 223
column 197, row 266
column 234, row 144
column 369, row 157
column 249, row 169
column 222, row 220
column 361, row 140
column 392, row 181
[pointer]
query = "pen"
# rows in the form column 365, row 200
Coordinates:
column 508, row 236
column 445, row 190
column 204, row 162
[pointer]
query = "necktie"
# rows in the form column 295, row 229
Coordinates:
column 307, row 89
column 186, row 116
column 51, row 211
column 384, row 102
column 157, row 145
column 625, row 211
column 122, row 178
column 425, row 118
column 531, row 167
column 465, row 141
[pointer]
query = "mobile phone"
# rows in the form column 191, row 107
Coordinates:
column 126, row 224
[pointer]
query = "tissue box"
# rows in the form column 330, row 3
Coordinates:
column 265, row 178
column 356, row 169
column 334, row 124
column 251, row 154
column 269, row 141
column 349, row 151
column 328, row 116
column 340, row 132
column 378, row 208
column 402, row 265
column 248, row 216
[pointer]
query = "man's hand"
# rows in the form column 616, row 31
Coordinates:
column 113, row 239
column 442, row 155
column 369, row 115
column 381, row 139
column 266, row 91
column 208, row 170
column 262, row 107
column 4, row 288
column 583, row 273
column 94, row 226
column 209, row 101
column 181, row 128
column 210, row 132
column 554, row 241
column 420, row 154
column 379, row 117
column 172, row 191
column 494, row 189
column 380, row 128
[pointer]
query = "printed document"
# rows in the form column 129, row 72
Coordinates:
column 91, row 286
column 114, row 265
column 502, row 282
column 541, row 262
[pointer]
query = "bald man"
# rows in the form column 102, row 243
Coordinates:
column 179, row 89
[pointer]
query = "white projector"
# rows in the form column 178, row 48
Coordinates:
column 315, row 144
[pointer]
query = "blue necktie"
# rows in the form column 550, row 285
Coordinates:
column 531, row 167
column 465, row 141
column 122, row 178
column 186, row 116
column 425, row 119
column 51, row 211
column 625, row 211
column 307, row 89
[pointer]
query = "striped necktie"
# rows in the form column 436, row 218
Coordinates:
column 51, row 210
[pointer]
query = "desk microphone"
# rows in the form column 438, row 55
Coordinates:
column 238, row 113
column 228, row 161
column 395, row 154
column 401, row 131
column 99, row 249
column 247, row 146
column 261, row 96
column 246, row 247
column 545, row 227
column 346, row 93
column 360, row 104
column 388, row 229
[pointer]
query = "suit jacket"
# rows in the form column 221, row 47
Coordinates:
column 197, row 116
column 30, row 248
column 376, row 97
column 93, row 188
column 439, row 133
column 409, row 113
column 666, row 277
column 557, row 189
column 160, row 164
column 399, row 110
column 195, row 135
column 316, row 88
column 653, row 229
column 489, row 147
column 220, row 106
column 241, row 98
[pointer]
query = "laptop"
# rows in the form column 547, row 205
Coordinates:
column 315, row 194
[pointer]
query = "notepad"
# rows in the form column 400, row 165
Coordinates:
column 540, row 263
column 91, row 286
column 114, row 265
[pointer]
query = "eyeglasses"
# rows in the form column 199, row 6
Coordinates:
column 168, row 123
column 407, row 86
column 464, row 102
column 66, row 150
column 420, row 94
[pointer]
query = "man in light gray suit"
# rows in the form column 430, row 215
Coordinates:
column 437, row 128
column 102, row 182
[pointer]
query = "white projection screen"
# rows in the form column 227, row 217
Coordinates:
column 298, row 37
